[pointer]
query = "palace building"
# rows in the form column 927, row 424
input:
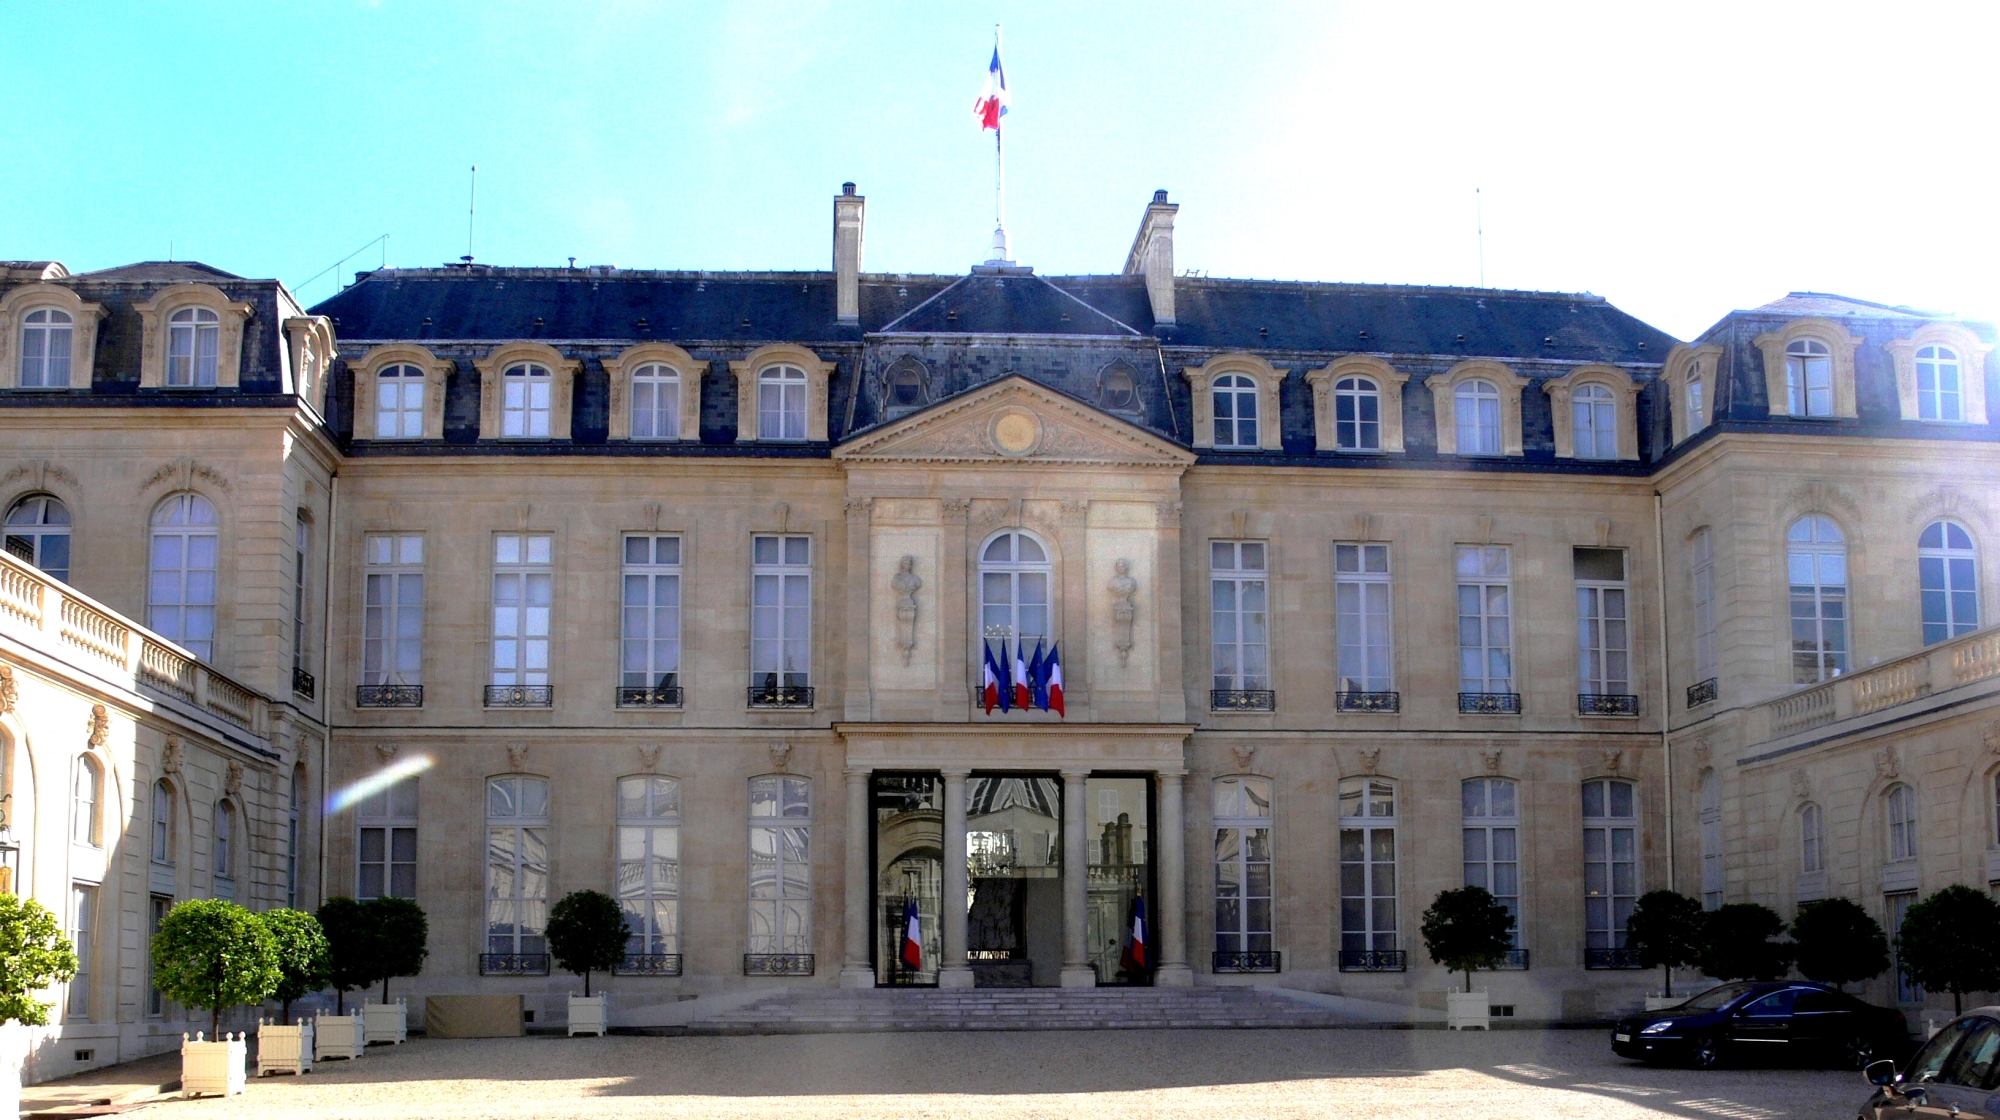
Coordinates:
column 682, row 586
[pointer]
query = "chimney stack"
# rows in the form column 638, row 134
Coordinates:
column 1152, row 256
column 848, row 210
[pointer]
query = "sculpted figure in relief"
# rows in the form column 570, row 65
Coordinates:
column 1123, row 610
column 906, row 583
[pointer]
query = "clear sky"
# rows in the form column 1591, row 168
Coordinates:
column 1682, row 159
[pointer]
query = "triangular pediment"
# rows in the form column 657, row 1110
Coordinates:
column 1015, row 420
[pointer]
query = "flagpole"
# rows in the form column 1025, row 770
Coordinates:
column 1000, row 250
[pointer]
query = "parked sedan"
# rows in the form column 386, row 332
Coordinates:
column 1955, row 1074
column 1786, row 1021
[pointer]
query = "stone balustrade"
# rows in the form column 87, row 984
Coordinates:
column 1962, row 661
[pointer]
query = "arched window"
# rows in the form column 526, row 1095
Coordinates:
column 1948, row 567
column 85, row 812
column 1701, row 560
column 649, row 872
column 1491, row 841
column 517, row 873
column 194, row 340
column 1235, row 397
column 1116, row 391
column 38, row 532
column 1476, row 408
column 399, row 403
column 163, row 822
column 1711, row 840
column 46, row 339
column 1808, row 378
column 656, row 402
column 905, row 387
column 1243, row 871
column 1899, row 805
column 1939, row 391
column 1594, row 424
column 527, row 396
column 1357, row 414
column 223, row 870
column 1610, row 863
column 1697, row 415
column 1367, row 872
column 1816, row 560
column 780, row 871
column 180, row 597
column 1812, row 840
column 1014, row 576
column 781, row 403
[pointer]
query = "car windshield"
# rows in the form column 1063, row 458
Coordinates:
column 1714, row 998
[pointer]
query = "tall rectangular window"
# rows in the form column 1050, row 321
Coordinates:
column 392, row 643
column 1491, row 842
column 1603, row 638
column 82, row 915
column 523, row 592
column 649, row 868
column 1239, row 616
column 386, row 863
column 1367, row 866
column 1897, row 907
column 302, row 532
column 1610, row 861
column 517, row 868
column 156, row 914
column 650, row 633
column 1361, row 619
column 1243, row 867
column 1485, row 621
column 780, row 866
column 1702, row 558
column 780, row 612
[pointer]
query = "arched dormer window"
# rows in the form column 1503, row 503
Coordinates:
column 87, row 803
column 656, row 402
column 1899, row 809
column 1941, row 374
column 1014, row 578
column 1116, row 390
column 1938, row 384
column 781, row 403
column 527, row 401
column 180, row 598
column 1234, row 408
column 37, row 531
column 1235, row 402
column 1476, row 415
column 1357, row 414
column 163, row 823
column 1593, row 412
column 1697, row 407
column 399, row 402
column 903, row 389
column 1808, row 378
column 47, row 340
column 781, row 395
column 48, row 337
column 1948, row 570
column 1816, row 567
column 194, row 346
column 1594, row 422
column 1357, row 405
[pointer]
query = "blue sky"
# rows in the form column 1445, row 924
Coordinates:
column 1682, row 159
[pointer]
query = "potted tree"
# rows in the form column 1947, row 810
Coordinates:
column 1951, row 942
column 33, row 956
column 213, row 954
column 587, row 933
column 1836, row 942
column 1736, row 943
column 400, row 935
column 1665, row 929
column 351, row 963
column 302, row 968
column 1465, row 929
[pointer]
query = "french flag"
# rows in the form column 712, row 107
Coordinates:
column 1136, row 958
column 1052, row 672
column 990, row 685
column 913, row 938
column 992, row 103
column 1022, row 694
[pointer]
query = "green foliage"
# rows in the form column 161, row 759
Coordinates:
column 350, row 938
column 1665, row 929
column 1838, row 943
column 401, row 938
column 1736, row 943
column 303, row 954
column 33, row 955
column 1467, row 928
column 214, row 954
column 1950, row 942
column 587, row 933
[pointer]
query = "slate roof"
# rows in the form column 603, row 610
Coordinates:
column 1007, row 302
column 170, row 272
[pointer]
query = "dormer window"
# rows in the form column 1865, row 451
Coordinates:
column 399, row 403
column 194, row 343
column 1117, row 393
column 1357, row 414
column 781, row 403
column 656, row 402
column 528, row 393
column 1477, row 404
column 46, row 343
column 1697, row 416
column 1938, row 386
column 1809, row 378
column 1595, row 419
column 906, row 387
column 1235, row 405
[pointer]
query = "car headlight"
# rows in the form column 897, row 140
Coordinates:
column 1656, row 1028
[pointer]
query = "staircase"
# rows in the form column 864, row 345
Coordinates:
column 835, row 1010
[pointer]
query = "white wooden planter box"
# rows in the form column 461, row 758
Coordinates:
column 1655, row 1003
column 1466, row 1011
column 282, row 1049
column 13, row 1055
column 339, row 1036
column 387, row 1022
column 212, row 1067
column 588, row 1015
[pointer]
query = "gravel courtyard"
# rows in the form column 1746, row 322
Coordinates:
column 1097, row 1074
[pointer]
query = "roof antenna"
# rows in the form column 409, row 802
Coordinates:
column 471, row 197
column 1479, row 220
column 170, row 249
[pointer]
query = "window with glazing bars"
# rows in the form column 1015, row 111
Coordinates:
column 1243, row 865
column 392, row 625
column 1816, row 560
column 780, row 612
column 1485, row 622
column 46, row 340
column 517, row 864
column 1491, row 841
column 1603, row 654
column 1610, row 861
column 1367, row 864
column 1808, row 378
column 650, row 642
column 399, row 403
column 1711, row 840
column 1948, row 569
column 1362, row 618
column 649, row 863
column 656, row 402
column 1701, row 553
column 1238, row 615
column 386, row 865
column 780, row 865
column 781, row 403
column 527, row 396
column 523, row 594
column 1594, row 422
column 1939, row 394
column 194, row 345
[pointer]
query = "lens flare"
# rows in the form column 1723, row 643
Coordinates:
column 354, row 792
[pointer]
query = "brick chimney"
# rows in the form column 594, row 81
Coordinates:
column 848, row 210
column 1152, row 256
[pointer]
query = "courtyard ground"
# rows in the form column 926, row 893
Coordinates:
column 1096, row 1074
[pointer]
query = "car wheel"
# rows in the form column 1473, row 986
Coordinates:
column 1856, row 1052
column 1705, row 1052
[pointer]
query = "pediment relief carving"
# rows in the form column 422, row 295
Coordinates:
column 1014, row 420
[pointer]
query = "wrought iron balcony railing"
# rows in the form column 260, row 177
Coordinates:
column 513, row 964
column 1611, row 959
column 389, row 696
column 520, row 695
column 1606, row 704
column 302, row 682
column 1373, row 960
column 649, row 964
column 777, row 964
column 642, row 697
column 1489, row 703
column 1242, row 700
column 1369, row 701
column 781, row 696
column 1515, row 960
column 1265, row 960
column 1701, row 692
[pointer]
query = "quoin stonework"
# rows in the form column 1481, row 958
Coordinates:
column 681, row 585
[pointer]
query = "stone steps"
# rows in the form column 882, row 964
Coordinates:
column 818, row 1010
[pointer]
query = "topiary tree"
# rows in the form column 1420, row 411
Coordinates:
column 401, row 938
column 214, row 954
column 1951, row 942
column 1837, row 943
column 587, row 933
column 1665, row 929
column 34, row 954
column 351, row 951
column 1736, row 943
column 303, row 955
column 1467, row 928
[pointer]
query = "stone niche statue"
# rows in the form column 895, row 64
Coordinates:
column 1123, row 610
column 906, row 583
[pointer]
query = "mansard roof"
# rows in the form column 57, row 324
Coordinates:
column 1795, row 304
column 1007, row 301
column 171, row 272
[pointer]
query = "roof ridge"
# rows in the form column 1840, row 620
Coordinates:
column 1105, row 315
column 934, row 297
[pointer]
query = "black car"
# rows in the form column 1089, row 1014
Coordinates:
column 1955, row 1074
column 1785, row 1021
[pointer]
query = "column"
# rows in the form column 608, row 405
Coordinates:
column 955, row 973
column 855, row 971
column 1076, row 969
column 1172, row 914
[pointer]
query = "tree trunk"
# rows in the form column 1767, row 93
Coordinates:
column 339, row 1001
column 385, row 989
column 586, row 983
column 1468, row 980
column 288, row 1013
column 1667, row 976
column 215, row 1023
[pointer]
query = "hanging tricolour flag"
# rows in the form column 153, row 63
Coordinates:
column 1021, row 696
column 990, row 690
column 913, row 938
column 1136, row 957
column 1038, row 681
column 1052, row 681
column 992, row 103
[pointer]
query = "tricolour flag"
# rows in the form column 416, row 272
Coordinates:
column 1052, row 683
column 1021, row 697
column 990, row 683
column 1038, row 681
column 913, row 938
column 1136, row 957
column 992, row 103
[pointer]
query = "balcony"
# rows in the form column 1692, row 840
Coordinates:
column 1620, row 959
column 1242, row 700
column 1701, row 692
column 665, row 696
column 302, row 682
column 1606, row 704
column 1373, row 960
column 1368, row 701
column 388, row 696
column 520, row 695
column 1856, row 698
column 1489, row 703
column 1514, row 960
column 513, row 964
column 781, row 696
column 649, row 964
column 777, row 964
column 1267, row 960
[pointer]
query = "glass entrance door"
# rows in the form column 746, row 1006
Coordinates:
column 1013, row 865
column 909, row 869
column 1121, row 871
